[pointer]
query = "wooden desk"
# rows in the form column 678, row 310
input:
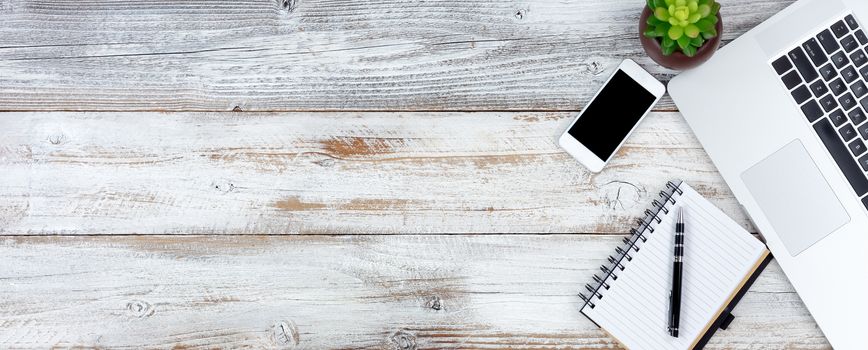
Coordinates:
column 328, row 174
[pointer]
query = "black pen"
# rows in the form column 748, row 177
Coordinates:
column 675, row 294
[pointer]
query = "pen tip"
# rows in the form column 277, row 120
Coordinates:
column 680, row 214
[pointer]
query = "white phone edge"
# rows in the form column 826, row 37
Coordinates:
column 581, row 153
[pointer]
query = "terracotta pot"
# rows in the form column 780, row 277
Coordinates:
column 677, row 60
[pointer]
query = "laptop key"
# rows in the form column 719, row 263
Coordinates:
column 849, row 74
column 864, row 163
column 800, row 60
column 819, row 88
column 842, row 156
column 860, row 35
column 838, row 87
column 849, row 43
column 839, row 28
column 847, row 132
column 847, row 101
column 828, row 103
column 828, row 41
column 828, row 72
column 857, row 116
column 851, row 22
column 857, row 147
column 865, row 202
column 864, row 72
column 782, row 65
column 812, row 110
column 838, row 118
column 858, row 58
column 864, row 103
column 812, row 48
column 859, row 89
column 840, row 59
column 792, row 79
column 801, row 94
column 863, row 131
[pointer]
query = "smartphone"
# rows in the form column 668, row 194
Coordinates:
column 612, row 115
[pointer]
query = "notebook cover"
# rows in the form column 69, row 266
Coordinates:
column 735, row 299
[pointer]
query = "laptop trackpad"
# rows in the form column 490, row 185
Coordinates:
column 795, row 197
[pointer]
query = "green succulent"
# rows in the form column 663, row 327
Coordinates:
column 682, row 24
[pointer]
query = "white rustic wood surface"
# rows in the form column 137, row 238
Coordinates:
column 335, row 173
column 313, row 292
column 269, row 55
column 362, row 205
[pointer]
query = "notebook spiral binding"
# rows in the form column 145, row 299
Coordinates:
column 631, row 245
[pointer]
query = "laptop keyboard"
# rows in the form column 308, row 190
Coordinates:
column 827, row 76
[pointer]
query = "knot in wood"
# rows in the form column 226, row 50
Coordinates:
column 325, row 163
column 223, row 186
column 284, row 334
column 402, row 340
column 139, row 308
column 596, row 68
column 237, row 109
column 434, row 303
column 288, row 5
column 520, row 13
column 56, row 139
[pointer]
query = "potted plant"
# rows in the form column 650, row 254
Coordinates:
column 680, row 34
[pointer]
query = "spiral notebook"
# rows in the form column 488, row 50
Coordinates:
column 630, row 298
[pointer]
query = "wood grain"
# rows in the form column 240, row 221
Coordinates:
column 280, row 55
column 331, row 173
column 116, row 175
column 316, row 292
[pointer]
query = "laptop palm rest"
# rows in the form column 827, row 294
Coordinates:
column 795, row 197
column 781, row 35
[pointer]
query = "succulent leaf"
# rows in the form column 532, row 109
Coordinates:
column 689, row 51
column 683, row 43
column 704, row 10
column 669, row 46
column 668, row 50
column 676, row 32
column 668, row 42
column 691, row 31
column 662, row 14
column 711, row 33
column 704, row 25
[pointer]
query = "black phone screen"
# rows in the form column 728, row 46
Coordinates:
column 611, row 116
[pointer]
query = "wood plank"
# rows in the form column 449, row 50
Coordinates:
column 276, row 173
column 265, row 55
column 317, row 292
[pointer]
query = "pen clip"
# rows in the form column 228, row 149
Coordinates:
column 669, row 315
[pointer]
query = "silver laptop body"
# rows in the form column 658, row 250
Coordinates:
column 791, row 145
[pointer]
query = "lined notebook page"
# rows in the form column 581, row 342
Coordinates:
column 718, row 256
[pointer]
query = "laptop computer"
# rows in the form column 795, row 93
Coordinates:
column 783, row 113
